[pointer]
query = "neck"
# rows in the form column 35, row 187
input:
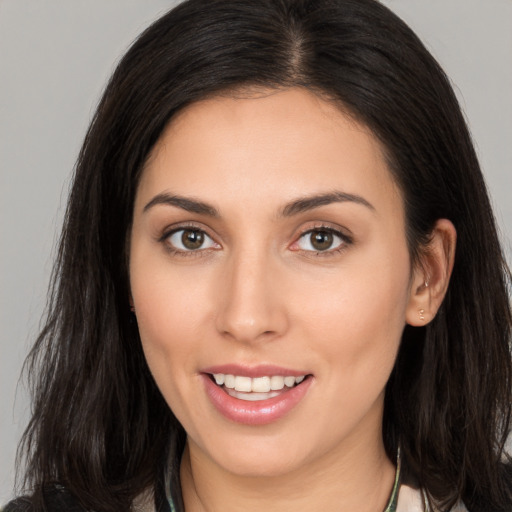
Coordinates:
column 360, row 478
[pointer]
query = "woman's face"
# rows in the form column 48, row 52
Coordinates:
column 268, row 241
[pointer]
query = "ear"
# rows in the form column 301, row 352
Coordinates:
column 431, row 276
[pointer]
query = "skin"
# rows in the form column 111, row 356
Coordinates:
column 256, row 293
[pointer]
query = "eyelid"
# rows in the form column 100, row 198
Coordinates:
column 191, row 226
column 205, row 240
column 346, row 239
column 341, row 233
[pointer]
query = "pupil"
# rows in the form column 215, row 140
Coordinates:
column 192, row 239
column 321, row 240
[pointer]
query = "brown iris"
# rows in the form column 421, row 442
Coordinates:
column 192, row 239
column 321, row 240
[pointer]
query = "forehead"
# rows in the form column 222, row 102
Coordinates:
column 267, row 148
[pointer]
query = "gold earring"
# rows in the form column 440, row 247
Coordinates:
column 422, row 314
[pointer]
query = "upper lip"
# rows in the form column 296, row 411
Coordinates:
column 260, row 370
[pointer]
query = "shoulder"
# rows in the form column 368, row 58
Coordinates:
column 19, row 505
column 56, row 499
column 412, row 500
column 59, row 499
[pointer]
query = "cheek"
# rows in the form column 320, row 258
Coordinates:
column 171, row 310
column 164, row 312
column 354, row 325
column 357, row 317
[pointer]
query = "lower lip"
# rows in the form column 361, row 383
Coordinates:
column 261, row 412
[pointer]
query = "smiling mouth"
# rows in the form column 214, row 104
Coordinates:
column 257, row 388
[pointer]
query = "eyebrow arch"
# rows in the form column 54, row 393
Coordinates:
column 304, row 204
column 188, row 204
column 295, row 207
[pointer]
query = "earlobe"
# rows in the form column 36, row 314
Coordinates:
column 432, row 274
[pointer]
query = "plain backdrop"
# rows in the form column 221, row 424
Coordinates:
column 55, row 57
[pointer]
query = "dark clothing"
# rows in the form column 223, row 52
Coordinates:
column 58, row 499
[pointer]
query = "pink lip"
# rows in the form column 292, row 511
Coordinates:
column 254, row 413
column 253, row 371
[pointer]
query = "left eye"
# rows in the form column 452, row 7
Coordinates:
column 190, row 240
column 320, row 240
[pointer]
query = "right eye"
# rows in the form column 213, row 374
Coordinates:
column 189, row 240
column 321, row 240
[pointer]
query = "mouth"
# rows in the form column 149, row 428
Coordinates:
column 257, row 397
column 254, row 389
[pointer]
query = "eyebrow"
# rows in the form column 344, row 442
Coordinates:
column 307, row 203
column 187, row 204
column 295, row 207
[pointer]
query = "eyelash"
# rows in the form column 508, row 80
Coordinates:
column 345, row 242
column 164, row 239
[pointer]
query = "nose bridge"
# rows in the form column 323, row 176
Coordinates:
column 250, row 306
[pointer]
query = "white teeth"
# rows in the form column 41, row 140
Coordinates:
column 261, row 384
column 258, row 385
column 289, row 381
column 243, row 384
column 276, row 382
column 252, row 397
column 229, row 381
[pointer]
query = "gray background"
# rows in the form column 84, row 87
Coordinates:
column 55, row 56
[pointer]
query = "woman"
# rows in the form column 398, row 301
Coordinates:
column 279, row 282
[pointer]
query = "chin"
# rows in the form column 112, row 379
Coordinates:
column 257, row 457
column 260, row 467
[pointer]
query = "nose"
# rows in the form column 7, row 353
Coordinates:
column 252, row 299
